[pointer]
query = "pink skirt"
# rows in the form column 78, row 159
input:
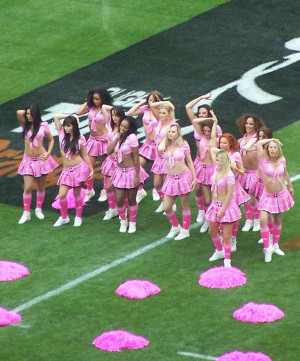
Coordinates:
column 197, row 162
column 256, row 187
column 204, row 173
column 36, row 167
column 178, row 184
column 124, row 177
column 249, row 178
column 232, row 213
column 159, row 166
column 74, row 176
column 148, row 150
column 275, row 202
column 108, row 166
column 240, row 196
column 95, row 146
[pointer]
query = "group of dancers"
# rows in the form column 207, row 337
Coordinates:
column 226, row 173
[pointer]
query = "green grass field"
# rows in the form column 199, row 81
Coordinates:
column 184, row 317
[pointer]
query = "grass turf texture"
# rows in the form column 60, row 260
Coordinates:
column 183, row 317
column 45, row 40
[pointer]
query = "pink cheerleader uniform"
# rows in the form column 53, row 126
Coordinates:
column 148, row 149
column 73, row 176
column 159, row 166
column 110, row 163
column 239, row 194
column 35, row 166
column 232, row 212
column 274, row 202
column 204, row 171
column 177, row 184
column 95, row 145
column 256, row 187
column 250, row 176
column 124, row 177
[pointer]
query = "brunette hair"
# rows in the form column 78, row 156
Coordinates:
column 258, row 122
column 132, row 128
column 119, row 112
column 267, row 132
column 105, row 96
column 156, row 94
column 36, row 115
column 207, row 107
column 67, row 143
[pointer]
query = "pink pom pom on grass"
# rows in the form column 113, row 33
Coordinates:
column 258, row 312
column 70, row 199
column 116, row 340
column 137, row 289
column 222, row 277
column 241, row 356
column 8, row 317
column 10, row 271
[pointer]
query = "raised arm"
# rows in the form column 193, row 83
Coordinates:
column 57, row 121
column 106, row 112
column 21, row 116
column 155, row 107
column 189, row 106
column 135, row 109
column 82, row 109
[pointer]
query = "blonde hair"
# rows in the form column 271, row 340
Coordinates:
column 223, row 157
column 169, row 109
column 179, row 141
column 279, row 151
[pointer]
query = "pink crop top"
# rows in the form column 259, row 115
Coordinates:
column 160, row 131
column 126, row 148
column 95, row 118
column 61, row 137
column 222, row 183
column 268, row 170
column 219, row 133
column 146, row 111
column 203, row 147
column 44, row 129
column 179, row 154
column 242, row 144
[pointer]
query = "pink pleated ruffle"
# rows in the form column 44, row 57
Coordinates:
column 116, row 340
column 8, row 317
column 222, row 277
column 258, row 312
column 10, row 271
column 137, row 289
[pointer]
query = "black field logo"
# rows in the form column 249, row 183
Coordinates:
column 246, row 67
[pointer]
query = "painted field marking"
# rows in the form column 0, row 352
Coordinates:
column 94, row 273
column 196, row 355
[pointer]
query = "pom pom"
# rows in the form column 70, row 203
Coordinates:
column 222, row 277
column 8, row 317
column 255, row 313
column 116, row 340
column 10, row 271
column 240, row 356
column 70, row 199
column 137, row 289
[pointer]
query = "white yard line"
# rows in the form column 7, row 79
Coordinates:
column 94, row 273
column 196, row 355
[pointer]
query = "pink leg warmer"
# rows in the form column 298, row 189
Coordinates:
column 248, row 211
column 235, row 228
column 200, row 202
column 133, row 211
column 265, row 235
column 111, row 200
column 172, row 218
column 186, row 218
column 63, row 208
column 90, row 184
column 217, row 242
column 27, row 201
column 78, row 206
column 121, row 212
column 40, row 196
column 276, row 233
column 227, row 251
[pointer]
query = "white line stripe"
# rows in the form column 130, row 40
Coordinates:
column 94, row 273
column 196, row 355
column 295, row 177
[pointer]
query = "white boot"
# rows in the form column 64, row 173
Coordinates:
column 132, row 227
column 217, row 255
column 123, row 226
column 268, row 253
column 205, row 226
column 89, row 195
column 256, row 225
column 200, row 216
column 184, row 233
column 25, row 217
column 173, row 232
column 248, row 225
column 277, row 250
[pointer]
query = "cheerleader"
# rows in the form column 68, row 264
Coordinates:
column 147, row 152
column 207, row 137
column 228, row 143
column 276, row 198
column 97, row 142
column 77, row 168
column 113, row 116
column 128, row 173
column 248, row 125
column 180, row 180
column 37, row 161
column 223, row 208
column 164, row 112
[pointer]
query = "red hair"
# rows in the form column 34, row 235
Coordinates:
column 233, row 143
